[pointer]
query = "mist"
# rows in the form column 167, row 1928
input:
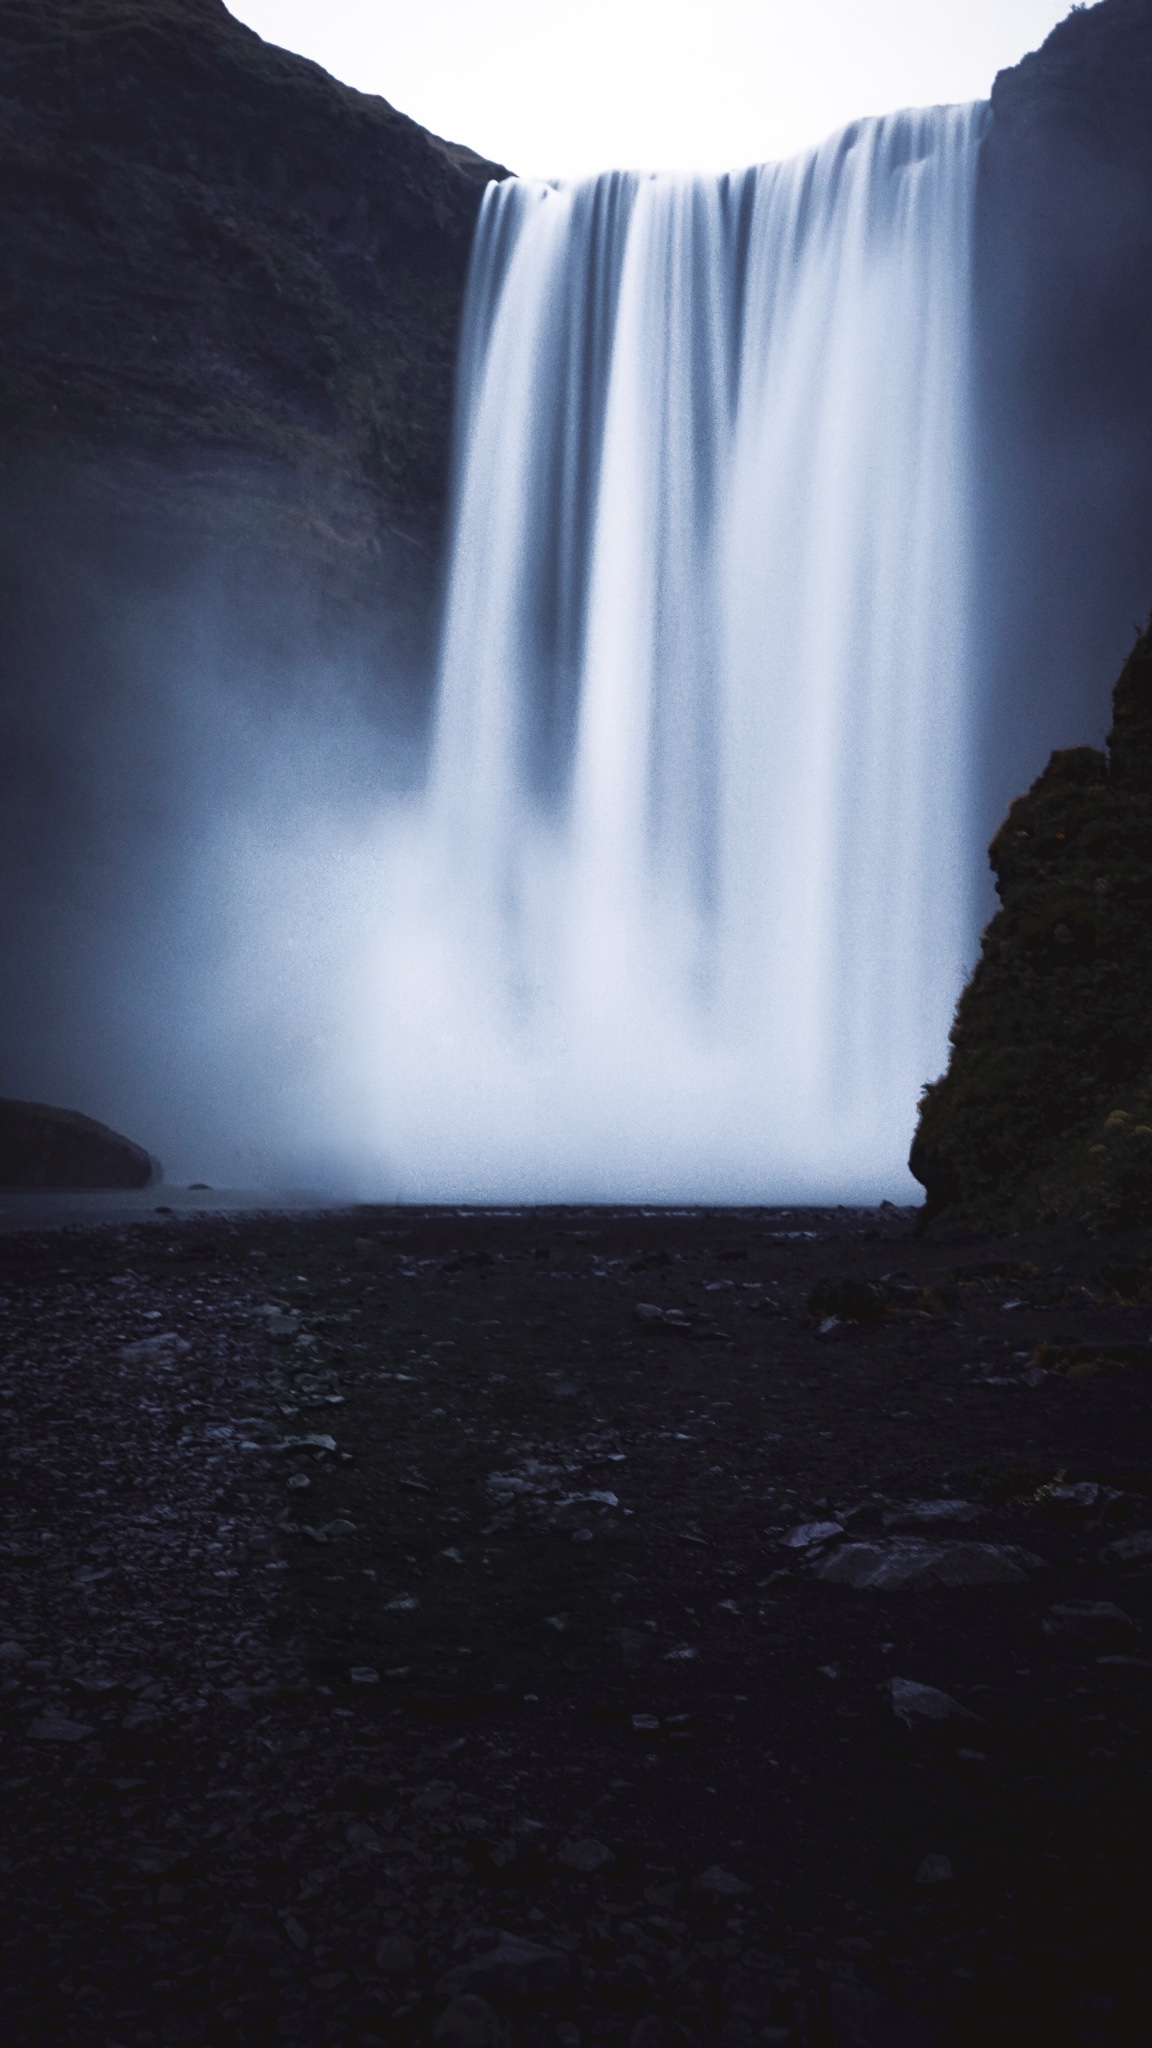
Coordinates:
column 200, row 729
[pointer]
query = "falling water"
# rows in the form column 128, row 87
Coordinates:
column 697, row 853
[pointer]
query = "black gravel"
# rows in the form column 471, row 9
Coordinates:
column 529, row 1655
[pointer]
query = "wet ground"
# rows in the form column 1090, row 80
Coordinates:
column 574, row 1626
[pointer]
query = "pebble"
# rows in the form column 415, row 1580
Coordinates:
column 585, row 1856
column 807, row 1534
column 914, row 1702
column 934, row 1869
column 1125, row 1550
column 148, row 1350
column 915, row 1513
column 53, row 1726
column 514, row 1968
column 719, row 1883
column 1089, row 1619
column 907, row 1561
column 469, row 2022
column 395, row 1955
column 647, row 2033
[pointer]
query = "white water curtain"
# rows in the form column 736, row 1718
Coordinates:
column 697, row 845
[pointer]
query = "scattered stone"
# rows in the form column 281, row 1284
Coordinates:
column 436, row 1797
column 585, row 1856
column 299, row 1481
column 148, row 1350
column 1125, row 1550
column 915, row 1513
column 682, row 1654
column 396, row 1955
column 934, row 1869
column 906, row 1562
column 1088, row 1361
column 514, row 1968
column 12, row 1653
column 647, row 2033
column 292, row 1928
column 145, row 1719
column 914, row 1702
column 53, row 1726
column 634, row 1645
column 832, row 1302
column 863, row 2019
column 718, row 1883
column 469, row 2022
column 363, row 1674
column 1084, row 1494
column 807, row 1535
column 312, row 1442
column 281, row 1324
column 1089, row 1620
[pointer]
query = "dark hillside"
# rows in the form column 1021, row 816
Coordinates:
column 211, row 248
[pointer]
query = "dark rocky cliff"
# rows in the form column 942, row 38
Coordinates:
column 1045, row 1113
column 216, row 258
column 1064, row 319
column 229, row 296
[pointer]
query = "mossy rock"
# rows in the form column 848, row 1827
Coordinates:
column 1045, row 1111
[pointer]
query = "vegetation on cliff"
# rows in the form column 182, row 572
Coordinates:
column 1045, row 1112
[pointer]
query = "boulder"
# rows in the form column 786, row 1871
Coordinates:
column 42, row 1147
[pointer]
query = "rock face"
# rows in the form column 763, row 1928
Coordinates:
column 42, row 1147
column 1045, row 1112
column 212, row 249
column 1063, row 282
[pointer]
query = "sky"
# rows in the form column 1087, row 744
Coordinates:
column 560, row 88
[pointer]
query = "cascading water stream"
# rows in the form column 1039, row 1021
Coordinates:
column 695, row 855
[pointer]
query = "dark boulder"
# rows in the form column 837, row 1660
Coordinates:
column 42, row 1147
column 1045, row 1112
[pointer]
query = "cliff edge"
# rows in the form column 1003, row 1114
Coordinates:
column 211, row 251
column 1045, row 1112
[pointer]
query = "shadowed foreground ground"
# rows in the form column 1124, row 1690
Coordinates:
column 299, row 1734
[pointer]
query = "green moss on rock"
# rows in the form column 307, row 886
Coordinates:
column 1045, row 1111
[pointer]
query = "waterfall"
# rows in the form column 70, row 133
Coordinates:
column 697, row 850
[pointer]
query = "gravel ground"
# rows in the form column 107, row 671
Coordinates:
column 562, row 1627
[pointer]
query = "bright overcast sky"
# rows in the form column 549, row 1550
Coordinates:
column 557, row 88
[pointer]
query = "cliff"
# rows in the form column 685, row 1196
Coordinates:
column 216, row 260
column 1063, row 302
column 1045, row 1112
